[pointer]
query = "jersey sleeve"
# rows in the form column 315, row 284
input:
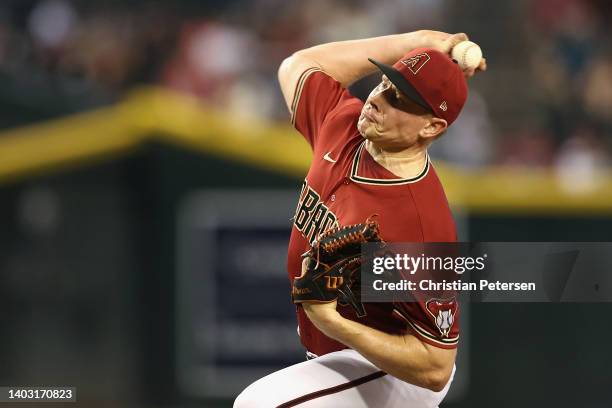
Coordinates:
column 434, row 321
column 316, row 95
column 431, row 315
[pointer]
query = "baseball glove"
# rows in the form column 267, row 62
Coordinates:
column 332, row 266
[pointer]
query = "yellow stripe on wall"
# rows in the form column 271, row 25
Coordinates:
column 150, row 112
column 32, row 149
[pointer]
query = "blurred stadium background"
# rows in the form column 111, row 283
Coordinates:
column 146, row 164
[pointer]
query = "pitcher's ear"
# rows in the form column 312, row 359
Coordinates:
column 433, row 128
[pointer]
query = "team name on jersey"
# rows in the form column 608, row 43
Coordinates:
column 312, row 216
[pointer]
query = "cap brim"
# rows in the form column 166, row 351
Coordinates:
column 401, row 83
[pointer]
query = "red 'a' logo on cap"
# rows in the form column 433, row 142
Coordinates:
column 443, row 312
column 417, row 62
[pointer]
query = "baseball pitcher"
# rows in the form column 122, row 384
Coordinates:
column 369, row 158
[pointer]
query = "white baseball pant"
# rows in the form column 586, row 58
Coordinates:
column 341, row 379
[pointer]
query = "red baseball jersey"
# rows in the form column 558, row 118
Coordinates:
column 345, row 185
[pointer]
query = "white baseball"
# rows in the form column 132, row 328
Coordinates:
column 468, row 54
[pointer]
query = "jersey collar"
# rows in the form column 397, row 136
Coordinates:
column 385, row 182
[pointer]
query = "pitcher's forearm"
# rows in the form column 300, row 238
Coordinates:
column 347, row 61
column 405, row 357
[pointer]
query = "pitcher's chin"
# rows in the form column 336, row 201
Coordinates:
column 362, row 125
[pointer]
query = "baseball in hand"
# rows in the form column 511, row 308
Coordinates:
column 468, row 54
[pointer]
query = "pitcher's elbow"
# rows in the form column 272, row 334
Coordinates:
column 438, row 379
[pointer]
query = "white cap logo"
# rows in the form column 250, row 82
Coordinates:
column 417, row 62
column 443, row 106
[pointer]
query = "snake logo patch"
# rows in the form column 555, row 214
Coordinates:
column 443, row 312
